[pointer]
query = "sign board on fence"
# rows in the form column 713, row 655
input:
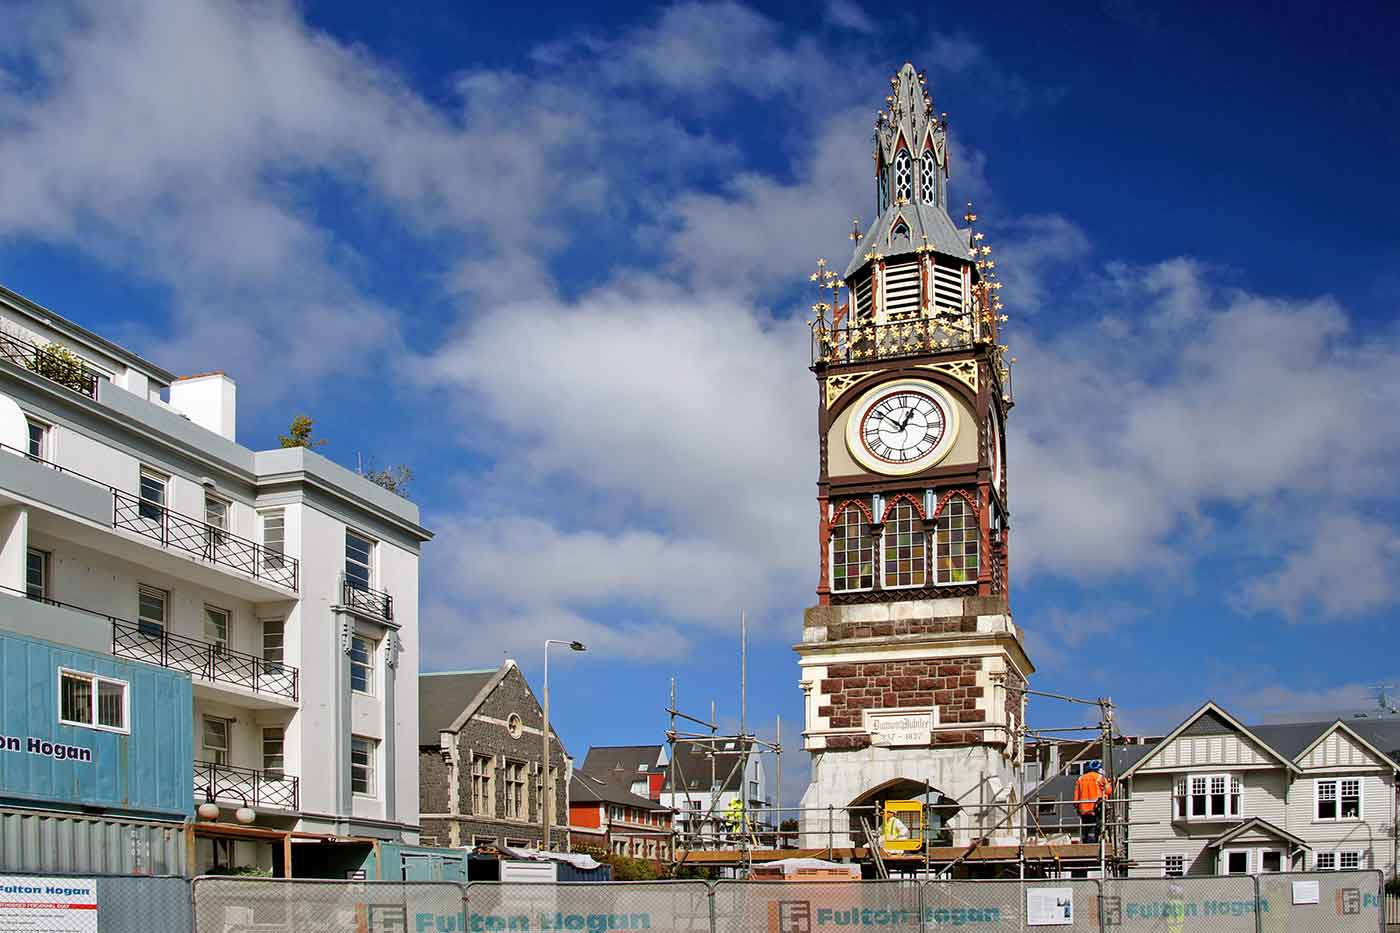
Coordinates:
column 1050, row 907
column 48, row 905
column 1305, row 892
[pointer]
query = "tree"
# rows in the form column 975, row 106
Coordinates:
column 393, row 478
column 299, row 434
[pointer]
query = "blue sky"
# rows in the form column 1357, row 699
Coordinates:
column 553, row 257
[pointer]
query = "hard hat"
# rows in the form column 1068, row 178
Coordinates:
column 1094, row 765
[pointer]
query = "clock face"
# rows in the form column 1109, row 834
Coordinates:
column 901, row 427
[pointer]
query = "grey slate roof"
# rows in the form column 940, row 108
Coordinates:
column 1291, row 738
column 584, row 788
column 693, row 770
column 442, row 697
column 603, row 760
column 928, row 223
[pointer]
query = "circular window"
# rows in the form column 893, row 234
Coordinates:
column 515, row 726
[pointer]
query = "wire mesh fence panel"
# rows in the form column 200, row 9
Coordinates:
column 588, row 906
column 273, row 905
column 810, row 906
column 92, row 903
column 1226, row 904
column 1325, row 901
column 1059, row 903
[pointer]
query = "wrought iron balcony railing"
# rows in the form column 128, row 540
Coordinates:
column 227, row 784
column 201, row 539
column 856, row 342
column 209, row 660
column 53, row 362
column 362, row 598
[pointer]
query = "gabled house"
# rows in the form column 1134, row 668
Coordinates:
column 604, row 814
column 1218, row 797
column 640, row 768
column 699, row 786
column 480, row 751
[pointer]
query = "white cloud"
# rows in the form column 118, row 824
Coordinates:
column 1343, row 568
column 847, row 14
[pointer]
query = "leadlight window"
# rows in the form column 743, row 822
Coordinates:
column 274, row 537
column 928, row 177
column 483, row 775
column 274, row 740
column 957, row 539
column 905, row 547
column 515, row 791
column 36, row 574
column 852, row 553
column 359, row 559
column 903, row 176
column 1339, row 799
column 362, row 754
column 362, row 664
column 89, row 700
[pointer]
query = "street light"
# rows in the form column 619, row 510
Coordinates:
column 546, row 786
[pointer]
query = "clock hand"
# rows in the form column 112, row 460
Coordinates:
column 905, row 423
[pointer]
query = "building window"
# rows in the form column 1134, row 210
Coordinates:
column 957, row 539
column 1270, row 860
column 274, row 741
column 478, row 841
column 151, row 607
column 515, row 791
column 215, row 741
column 904, row 546
column 38, row 440
column 1237, row 862
column 362, row 754
column 852, row 553
column 274, row 537
column 928, row 177
column 903, row 176
column 153, row 486
column 901, row 230
column 359, row 558
column 1173, row 866
column 883, row 189
column 1338, row 799
column 1349, row 861
column 515, row 726
column 36, row 574
column 362, row 655
column 1325, row 861
column 274, row 634
column 483, row 776
column 1207, row 797
column 216, row 626
column 92, row 701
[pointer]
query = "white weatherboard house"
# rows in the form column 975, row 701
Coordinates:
column 132, row 523
column 1218, row 797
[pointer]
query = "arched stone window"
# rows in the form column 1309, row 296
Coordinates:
column 928, row 178
column 905, row 547
column 903, row 176
column 956, row 538
column 852, row 551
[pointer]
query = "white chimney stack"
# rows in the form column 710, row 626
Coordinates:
column 210, row 400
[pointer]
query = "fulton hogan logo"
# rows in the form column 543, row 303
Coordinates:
column 34, row 746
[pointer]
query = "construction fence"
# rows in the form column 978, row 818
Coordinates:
column 1325, row 902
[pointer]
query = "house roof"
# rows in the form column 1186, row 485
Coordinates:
column 1295, row 739
column 603, row 760
column 585, row 788
column 442, row 698
column 1216, row 720
column 693, row 770
column 1256, row 823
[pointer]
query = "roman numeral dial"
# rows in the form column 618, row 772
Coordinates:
column 901, row 428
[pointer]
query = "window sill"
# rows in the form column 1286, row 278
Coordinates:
column 115, row 730
column 1350, row 820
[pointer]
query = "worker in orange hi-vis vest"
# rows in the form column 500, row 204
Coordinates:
column 1089, row 793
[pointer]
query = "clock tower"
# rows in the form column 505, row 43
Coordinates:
column 912, row 669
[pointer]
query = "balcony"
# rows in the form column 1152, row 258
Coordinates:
column 208, row 660
column 201, row 540
column 362, row 598
column 227, row 784
column 53, row 362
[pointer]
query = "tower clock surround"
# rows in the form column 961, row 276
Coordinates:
column 912, row 670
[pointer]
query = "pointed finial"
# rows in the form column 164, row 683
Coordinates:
column 855, row 229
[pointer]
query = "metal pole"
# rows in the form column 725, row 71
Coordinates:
column 544, row 761
column 778, row 792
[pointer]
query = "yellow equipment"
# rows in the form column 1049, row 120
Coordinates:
column 903, row 826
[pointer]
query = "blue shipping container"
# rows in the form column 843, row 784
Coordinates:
column 145, row 769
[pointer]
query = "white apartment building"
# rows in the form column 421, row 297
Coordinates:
column 700, row 786
column 133, row 523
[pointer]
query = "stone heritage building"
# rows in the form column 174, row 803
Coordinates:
column 480, row 749
column 911, row 667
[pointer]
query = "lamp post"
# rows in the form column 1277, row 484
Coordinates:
column 546, row 786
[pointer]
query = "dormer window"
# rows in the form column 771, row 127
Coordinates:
column 928, row 178
column 901, row 229
column 903, row 177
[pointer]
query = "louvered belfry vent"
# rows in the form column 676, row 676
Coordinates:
column 862, row 299
column 947, row 287
column 902, row 291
